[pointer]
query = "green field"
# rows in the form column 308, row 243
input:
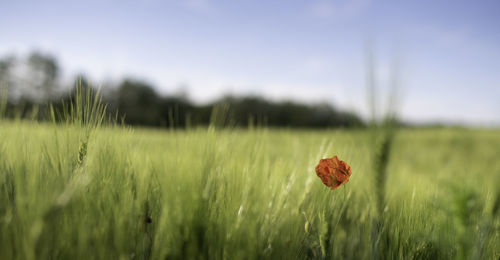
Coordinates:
column 210, row 193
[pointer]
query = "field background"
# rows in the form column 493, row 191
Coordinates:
column 113, row 192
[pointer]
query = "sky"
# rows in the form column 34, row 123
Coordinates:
column 442, row 56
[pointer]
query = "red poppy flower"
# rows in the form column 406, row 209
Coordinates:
column 333, row 172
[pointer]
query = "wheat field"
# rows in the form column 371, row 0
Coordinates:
column 113, row 192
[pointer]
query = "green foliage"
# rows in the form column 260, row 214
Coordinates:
column 233, row 194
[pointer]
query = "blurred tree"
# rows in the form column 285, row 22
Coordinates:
column 36, row 83
column 176, row 111
column 43, row 75
column 286, row 113
column 6, row 76
column 139, row 103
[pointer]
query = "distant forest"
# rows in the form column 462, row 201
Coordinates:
column 33, row 82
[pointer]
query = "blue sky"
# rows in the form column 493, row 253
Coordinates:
column 445, row 54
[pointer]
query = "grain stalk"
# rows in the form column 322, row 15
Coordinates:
column 383, row 133
column 85, row 113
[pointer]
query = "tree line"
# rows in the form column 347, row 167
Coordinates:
column 33, row 82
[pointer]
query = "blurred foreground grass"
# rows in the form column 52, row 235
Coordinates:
column 120, row 193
